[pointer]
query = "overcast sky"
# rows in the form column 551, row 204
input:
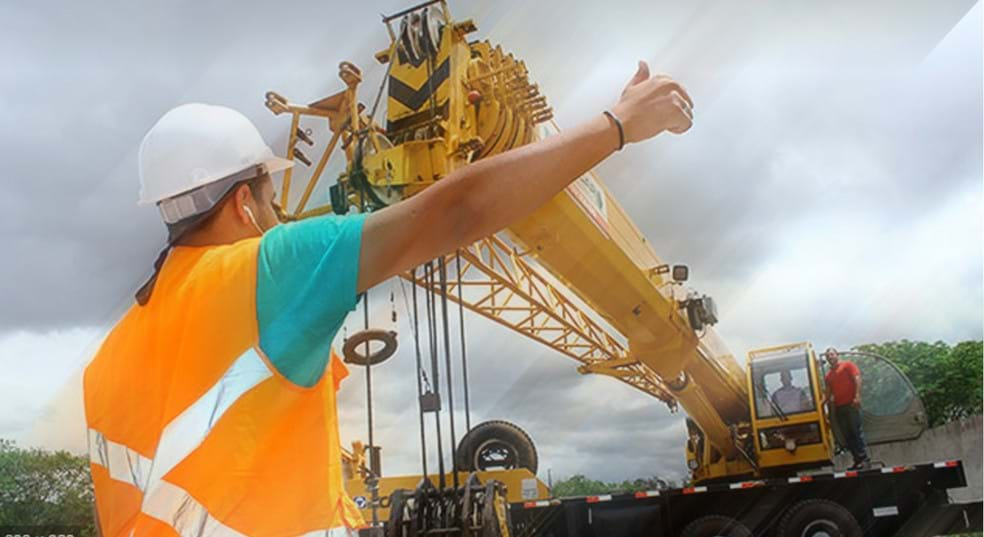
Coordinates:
column 830, row 190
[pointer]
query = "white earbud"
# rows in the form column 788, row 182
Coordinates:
column 252, row 219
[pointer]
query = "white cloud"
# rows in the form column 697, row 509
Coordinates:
column 41, row 391
column 868, row 280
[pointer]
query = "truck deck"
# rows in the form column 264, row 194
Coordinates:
column 897, row 500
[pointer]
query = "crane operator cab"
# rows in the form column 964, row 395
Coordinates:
column 789, row 427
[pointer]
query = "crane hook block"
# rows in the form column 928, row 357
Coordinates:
column 353, row 348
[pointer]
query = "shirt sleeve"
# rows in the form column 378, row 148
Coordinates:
column 305, row 286
column 852, row 369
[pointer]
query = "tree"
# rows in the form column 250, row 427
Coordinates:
column 43, row 488
column 947, row 379
column 579, row 485
column 962, row 382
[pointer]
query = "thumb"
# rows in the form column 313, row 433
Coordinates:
column 641, row 75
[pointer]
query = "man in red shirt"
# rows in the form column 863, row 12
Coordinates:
column 844, row 387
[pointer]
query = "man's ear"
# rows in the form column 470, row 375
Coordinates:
column 240, row 198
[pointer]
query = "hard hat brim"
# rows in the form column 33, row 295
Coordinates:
column 277, row 165
column 273, row 164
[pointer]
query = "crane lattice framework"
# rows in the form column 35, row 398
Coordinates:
column 502, row 285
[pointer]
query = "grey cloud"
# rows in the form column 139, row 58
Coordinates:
column 804, row 112
column 81, row 88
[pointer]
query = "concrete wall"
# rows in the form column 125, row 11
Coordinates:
column 955, row 440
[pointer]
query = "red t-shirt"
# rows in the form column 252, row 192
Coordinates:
column 842, row 383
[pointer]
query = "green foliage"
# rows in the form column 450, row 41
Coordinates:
column 578, row 485
column 39, row 487
column 948, row 379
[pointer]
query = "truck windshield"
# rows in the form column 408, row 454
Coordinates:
column 782, row 385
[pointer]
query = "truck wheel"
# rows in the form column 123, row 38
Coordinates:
column 400, row 515
column 496, row 444
column 716, row 526
column 818, row 518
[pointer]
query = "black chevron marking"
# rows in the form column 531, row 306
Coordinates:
column 414, row 98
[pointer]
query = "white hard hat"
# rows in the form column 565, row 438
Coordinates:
column 195, row 145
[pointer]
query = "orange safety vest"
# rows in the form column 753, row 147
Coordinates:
column 192, row 430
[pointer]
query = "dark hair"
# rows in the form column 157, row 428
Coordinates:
column 179, row 229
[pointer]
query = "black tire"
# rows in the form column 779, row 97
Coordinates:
column 716, row 526
column 496, row 444
column 809, row 517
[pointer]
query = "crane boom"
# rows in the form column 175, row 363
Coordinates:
column 576, row 275
column 600, row 256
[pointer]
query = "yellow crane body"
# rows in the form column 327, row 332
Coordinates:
column 577, row 274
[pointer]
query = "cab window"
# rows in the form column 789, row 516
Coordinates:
column 782, row 386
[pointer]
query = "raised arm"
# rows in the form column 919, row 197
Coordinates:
column 485, row 197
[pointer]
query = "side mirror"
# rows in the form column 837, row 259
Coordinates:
column 680, row 273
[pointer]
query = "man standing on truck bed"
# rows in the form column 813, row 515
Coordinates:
column 210, row 406
column 844, row 383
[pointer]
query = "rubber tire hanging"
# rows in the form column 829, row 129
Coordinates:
column 499, row 432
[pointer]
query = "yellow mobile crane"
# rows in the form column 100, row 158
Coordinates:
column 577, row 275
column 450, row 102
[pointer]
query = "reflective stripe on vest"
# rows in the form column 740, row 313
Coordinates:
column 123, row 463
column 168, row 502
column 189, row 518
column 191, row 429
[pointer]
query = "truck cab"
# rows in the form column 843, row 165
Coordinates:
column 789, row 426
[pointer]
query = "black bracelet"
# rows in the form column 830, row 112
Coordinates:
column 621, row 133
